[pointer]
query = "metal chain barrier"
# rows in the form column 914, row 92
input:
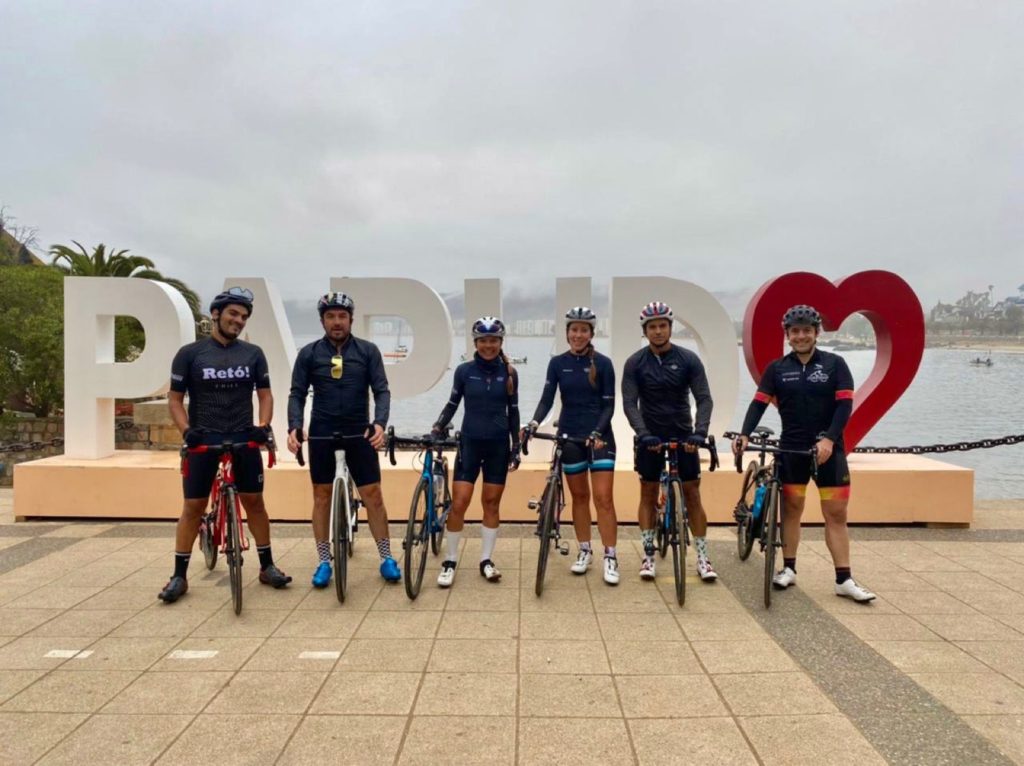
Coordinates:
column 57, row 441
column 918, row 449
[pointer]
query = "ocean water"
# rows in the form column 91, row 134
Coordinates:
column 950, row 400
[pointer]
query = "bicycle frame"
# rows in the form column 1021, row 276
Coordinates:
column 555, row 472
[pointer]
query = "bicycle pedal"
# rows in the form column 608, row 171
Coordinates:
column 563, row 548
column 532, row 504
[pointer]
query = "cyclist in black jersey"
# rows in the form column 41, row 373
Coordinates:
column 219, row 374
column 586, row 381
column 813, row 390
column 490, row 441
column 342, row 370
column 656, row 385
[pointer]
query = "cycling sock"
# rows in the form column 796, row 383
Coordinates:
column 585, row 546
column 453, row 545
column 647, row 535
column 609, row 552
column 266, row 557
column 323, row 550
column 842, row 575
column 181, row 564
column 488, row 537
column 701, row 544
column 790, row 564
column 384, row 547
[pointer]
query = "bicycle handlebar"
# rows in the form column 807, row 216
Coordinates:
column 232, row 447
column 708, row 444
column 419, row 442
column 768, row 449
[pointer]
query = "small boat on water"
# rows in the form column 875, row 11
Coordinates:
column 979, row 362
column 401, row 351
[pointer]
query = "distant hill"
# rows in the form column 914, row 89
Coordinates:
column 13, row 253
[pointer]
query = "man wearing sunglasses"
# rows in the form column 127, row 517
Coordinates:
column 219, row 374
column 342, row 370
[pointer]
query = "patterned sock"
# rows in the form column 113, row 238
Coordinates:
column 609, row 552
column 384, row 547
column 585, row 546
column 323, row 550
column 790, row 564
column 181, row 564
column 701, row 544
column 647, row 535
column 266, row 557
column 842, row 575
column 488, row 537
column 453, row 545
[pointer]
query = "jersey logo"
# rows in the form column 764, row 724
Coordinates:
column 231, row 373
column 818, row 376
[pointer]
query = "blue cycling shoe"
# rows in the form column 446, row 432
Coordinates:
column 389, row 570
column 322, row 575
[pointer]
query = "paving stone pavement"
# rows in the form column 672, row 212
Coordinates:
column 92, row 667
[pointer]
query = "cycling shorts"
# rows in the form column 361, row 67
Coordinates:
column 488, row 455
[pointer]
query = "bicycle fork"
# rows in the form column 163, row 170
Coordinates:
column 562, row 547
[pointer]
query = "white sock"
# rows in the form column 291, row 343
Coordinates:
column 488, row 537
column 453, row 544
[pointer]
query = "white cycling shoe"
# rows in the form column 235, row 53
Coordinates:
column 784, row 578
column 611, row 570
column 647, row 569
column 850, row 589
column 705, row 570
column 582, row 562
column 447, row 575
column 489, row 572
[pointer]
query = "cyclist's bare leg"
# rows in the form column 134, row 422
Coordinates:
column 603, row 483
column 648, row 502
column 376, row 513
column 837, row 535
column 694, row 508
column 580, row 491
column 792, row 510
column 188, row 524
column 491, row 500
column 322, row 511
column 462, row 494
column 256, row 516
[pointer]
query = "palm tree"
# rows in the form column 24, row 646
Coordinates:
column 104, row 263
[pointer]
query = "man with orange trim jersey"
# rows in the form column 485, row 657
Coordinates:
column 813, row 390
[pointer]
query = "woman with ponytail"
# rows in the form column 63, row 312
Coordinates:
column 490, row 441
column 586, row 380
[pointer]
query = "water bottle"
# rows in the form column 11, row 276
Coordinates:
column 759, row 501
column 438, row 489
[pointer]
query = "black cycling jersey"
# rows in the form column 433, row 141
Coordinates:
column 585, row 408
column 656, row 393
column 813, row 399
column 219, row 381
column 341, row 397
column 490, row 412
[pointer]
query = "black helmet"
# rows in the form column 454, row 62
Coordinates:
column 240, row 296
column 581, row 314
column 335, row 301
column 801, row 315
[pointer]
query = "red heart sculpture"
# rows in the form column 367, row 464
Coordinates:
column 885, row 299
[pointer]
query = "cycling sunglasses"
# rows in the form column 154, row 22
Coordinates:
column 337, row 363
column 240, row 292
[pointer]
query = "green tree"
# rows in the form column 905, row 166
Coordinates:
column 129, row 338
column 31, row 339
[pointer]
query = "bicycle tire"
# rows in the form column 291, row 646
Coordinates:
column 440, row 518
column 745, row 532
column 233, row 552
column 206, row 542
column 350, row 538
column 548, row 509
column 771, row 531
column 416, row 540
column 677, row 539
column 339, row 541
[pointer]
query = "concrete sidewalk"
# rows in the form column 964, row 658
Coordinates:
column 92, row 667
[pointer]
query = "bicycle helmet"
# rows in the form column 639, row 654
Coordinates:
column 801, row 315
column 655, row 310
column 486, row 327
column 581, row 314
column 239, row 296
column 335, row 301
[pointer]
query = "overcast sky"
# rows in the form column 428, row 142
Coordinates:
column 721, row 142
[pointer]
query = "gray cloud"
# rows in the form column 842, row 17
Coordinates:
column 723, row 143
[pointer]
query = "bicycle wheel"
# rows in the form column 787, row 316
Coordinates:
column 548, row 509
column 745, row 532
column 354, row 505
column 339, row 539
column 440, row 517
column 206, row 542
column 771, row 533
column 676, row 533
column 233, row 551
column 416, row 534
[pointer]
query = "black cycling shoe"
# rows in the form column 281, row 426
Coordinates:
column 175, row 588
column 274, row 577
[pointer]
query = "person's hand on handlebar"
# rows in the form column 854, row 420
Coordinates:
column 651, row 442
column 528, row 430
column 825, row 447
column 193, row 437
column 739, row 444
column 595, row 440
column 293, row 441
column 375, row 434
column 693, row 442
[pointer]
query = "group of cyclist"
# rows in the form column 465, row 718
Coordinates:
column 813, row 390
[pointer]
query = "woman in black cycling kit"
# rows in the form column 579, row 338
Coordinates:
column 586, row 381
column 490, row 441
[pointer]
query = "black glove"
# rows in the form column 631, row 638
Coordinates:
column 259, row 434
column 697, row 440
column 514, row 458
column 650, row 441
column 193, row 437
